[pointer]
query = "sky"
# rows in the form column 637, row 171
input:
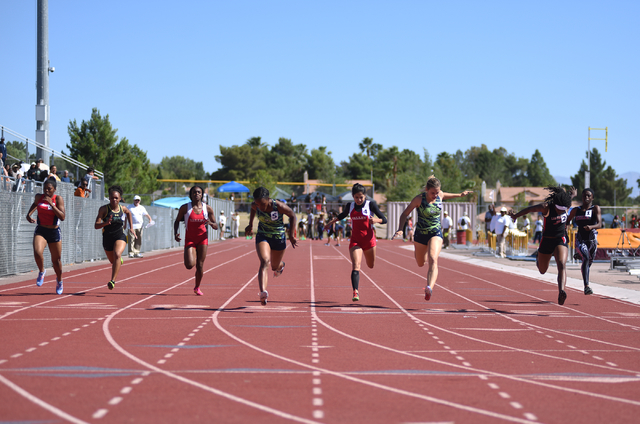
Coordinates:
column 183, row 78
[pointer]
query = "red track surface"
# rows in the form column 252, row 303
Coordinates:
column 488, row 347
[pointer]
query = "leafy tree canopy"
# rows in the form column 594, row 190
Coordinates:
column 605, row 183
column 95, row 143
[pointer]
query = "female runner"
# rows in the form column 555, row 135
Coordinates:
column 270, row 239
column 50, row 210
column 427, row 238
column 111, row 219
column 196, row 216
column 588, row 217
column 364, row 213
column 554, row 235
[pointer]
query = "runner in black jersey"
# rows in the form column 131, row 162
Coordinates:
column 270, row 239
column 554, row 236
column 588, row 218
column 112, row 219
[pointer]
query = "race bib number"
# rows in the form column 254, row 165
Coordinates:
column 274, row 215
column 588, row 214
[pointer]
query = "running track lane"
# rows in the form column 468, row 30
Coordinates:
column 488, row 347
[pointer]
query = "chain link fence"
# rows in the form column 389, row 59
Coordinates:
column 80, row 241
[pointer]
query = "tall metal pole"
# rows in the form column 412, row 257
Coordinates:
column 42, row 84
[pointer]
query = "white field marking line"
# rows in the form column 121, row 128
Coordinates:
column 206, row 388
column 95, row 288
column 533, row 352
column 476, row 370
column 154, row 258
column 348, row 377
column 93, row 270
column 526, row 294
column 88, row 290
column 40, row 402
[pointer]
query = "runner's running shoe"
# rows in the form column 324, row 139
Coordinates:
column 40, row 279
column 279, row 272
column 263, row 297
column 587, row 290
column 111, row 284
column 197, row 291
column 356, row 296
column 427, row 293
column 562, row 296
column 59, row 287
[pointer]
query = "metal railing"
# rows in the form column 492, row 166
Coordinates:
column 80, row 241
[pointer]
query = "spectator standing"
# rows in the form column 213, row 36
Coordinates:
column 526, row 225
column 53, row 173
column 488, row 216
column 502, row 226
column 447, row 223
column 138, row 212
column 537, row 237
column 90, row 175
column 616, row 222
column 310, row 224
column 235, row 225
column 634, row 221
column 294, row 202
column 83, row 189
column 33, row 173
column 222, row 222
column 65, row 177
column 44, row 170
column 3, row 152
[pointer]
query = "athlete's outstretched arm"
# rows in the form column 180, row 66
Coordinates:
column 212, row 218
column 445, row 196
column 403, row 216
column 176, row 224
column 249, row 230
column 376, row 211
column 292, row 222
column 541, row 207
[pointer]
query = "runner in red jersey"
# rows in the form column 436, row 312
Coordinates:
column 196, row 215
column 554, row 236
column 50, row 210
column 364, row 213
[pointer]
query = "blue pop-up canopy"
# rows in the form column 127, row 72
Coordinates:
column 233, row 187
column 171, row 202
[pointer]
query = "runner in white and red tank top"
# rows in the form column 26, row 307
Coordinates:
column 364, row 213
column 51, row 211
column 196, row 216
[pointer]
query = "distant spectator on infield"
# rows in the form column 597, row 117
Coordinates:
column 138, row 212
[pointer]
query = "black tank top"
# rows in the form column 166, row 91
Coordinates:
column 117, row 222
column 555, row 223
column 585, row 217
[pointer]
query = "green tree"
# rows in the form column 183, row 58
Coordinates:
column 320, row 164
column 288, row 160
column 18, row 150
column 263, row 178
column 95, row 143
column 538, row 173
column 450, row 175
column 181, row 168
column 241, row 162
column 604, row 181
column 358, row 167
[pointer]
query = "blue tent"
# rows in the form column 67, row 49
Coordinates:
column 232, row 187
column 171, row 202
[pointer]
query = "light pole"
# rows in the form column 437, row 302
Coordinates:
column 587, row 173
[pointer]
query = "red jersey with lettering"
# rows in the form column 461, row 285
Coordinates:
column 46, row 216
column 196, row 228
column 362, row 233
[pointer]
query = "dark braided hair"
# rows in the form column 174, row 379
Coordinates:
column 559, row 196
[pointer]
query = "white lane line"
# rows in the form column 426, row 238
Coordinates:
column 100, row 413
column 116, row 400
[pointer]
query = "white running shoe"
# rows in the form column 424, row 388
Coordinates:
column 263, row 297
